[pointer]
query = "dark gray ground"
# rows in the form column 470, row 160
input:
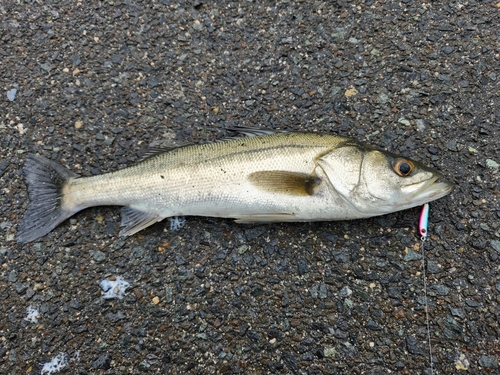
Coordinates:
column 100, row 81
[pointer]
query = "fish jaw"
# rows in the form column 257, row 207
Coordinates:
column 427, row 191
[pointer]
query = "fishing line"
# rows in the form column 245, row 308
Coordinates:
column 422, row 228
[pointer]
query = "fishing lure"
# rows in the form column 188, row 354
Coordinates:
column 423, row 222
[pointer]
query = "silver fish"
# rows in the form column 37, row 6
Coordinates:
column 265, row 178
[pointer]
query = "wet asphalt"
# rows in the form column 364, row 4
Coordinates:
column 93, row 85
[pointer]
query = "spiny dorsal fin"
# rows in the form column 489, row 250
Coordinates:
column 247, row 131
column 283, row 182
column 153, row 151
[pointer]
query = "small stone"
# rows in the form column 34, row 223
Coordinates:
column 484, row 226
column 335, row 90
column 329, row 352
column 253, row 233
column 414, row 348
column 78, row 124
column 21, row 288
column 12, row 277
column 451, row 145
column 495, row 244
column 115, row 317
column 11, row 94
column 472, row 303
column 404, row 121
column 156, row 300
column 144, row 366
column 411, row 255
column 103, row 362
column 290, row 361
column 440, row 290
column 448, row 49
column 492, row 164
column 345, row 292
column 382, row 99
column 153, row 82
column 168, row 294
column 462, row 363
column 371, row 325
column 99, row 256
column 76, row 304
column 302, row 267
column 433, row 267
column 488, row 362
column 75, row 60
column 323, row 291
column 472, row 150
column 458, row 312
column 197, row 25
column 399, row 314
column 46, row 66
column 420, row 125
column 351, row 92
column 117, row 59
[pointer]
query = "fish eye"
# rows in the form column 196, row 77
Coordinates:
column 403, row 167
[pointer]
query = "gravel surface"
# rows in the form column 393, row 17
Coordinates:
column 93, row 84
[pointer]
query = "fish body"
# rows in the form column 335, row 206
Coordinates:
column 266, row 178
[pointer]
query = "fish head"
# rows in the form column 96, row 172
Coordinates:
column 375, row 182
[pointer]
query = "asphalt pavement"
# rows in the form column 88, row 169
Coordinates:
column 94, row 84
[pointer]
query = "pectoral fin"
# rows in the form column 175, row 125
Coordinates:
column 134, row 220
column 283, row 182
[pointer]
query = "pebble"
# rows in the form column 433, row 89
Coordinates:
column 345, row 292
column 350, row 92
column 382, row 99
column 11, row 94
column 411, row 255
column 488, row 362
column 302, row 267
column 103, row 362
column 98, row 256
column 329, row 352
column 414, row 347
column 404, row 121
column 451, row 145
column 495, row 244
column 492, row 164
column 12, row 276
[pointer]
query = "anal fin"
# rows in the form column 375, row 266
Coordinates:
column 134, row 220
column 265, row 218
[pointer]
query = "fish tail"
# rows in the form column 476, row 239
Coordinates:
column 46, row 180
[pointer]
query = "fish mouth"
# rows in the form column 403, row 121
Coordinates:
column 433, row 189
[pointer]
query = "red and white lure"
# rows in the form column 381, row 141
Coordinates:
column 423, row 223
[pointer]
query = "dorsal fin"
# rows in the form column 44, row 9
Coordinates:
column 153, row 151
column 251, row 132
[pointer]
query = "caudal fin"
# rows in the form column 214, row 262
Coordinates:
column 45, row 180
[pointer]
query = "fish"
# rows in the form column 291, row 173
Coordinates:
column 266, row 177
